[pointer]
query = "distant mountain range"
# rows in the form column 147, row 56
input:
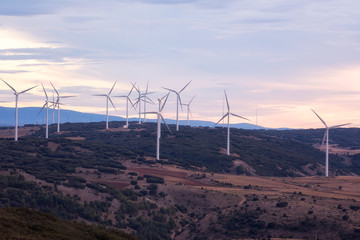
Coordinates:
column 32, row 115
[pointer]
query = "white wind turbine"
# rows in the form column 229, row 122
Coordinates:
column 159, row 118
column 47, row 112
column 188, row 110
column 16, row 105
column 138, row 101
column 228, row 123
column 146, row 99
column 57, row 103
column 142, row 97
column 326, row 136
column 127, row 104
column 107, row 104
column 178, row 100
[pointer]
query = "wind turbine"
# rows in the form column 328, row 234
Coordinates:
column 146, row 99
column 57, row 103
column 188, row 110
column 16, row 105
column 159, row 118
column 47, row 112
column 228, row 122
column 142, row 97
column 178, row 99
column 53, row 111
column 107, row 104
column 326, row 136
column 127, row 104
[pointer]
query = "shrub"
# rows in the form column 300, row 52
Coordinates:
column 281, row 204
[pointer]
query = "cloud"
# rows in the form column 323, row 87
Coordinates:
column 43, row 53
column 13, row 71
column 27, row 8
column 169, row 2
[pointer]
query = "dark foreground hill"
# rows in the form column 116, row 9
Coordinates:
column 21, row 223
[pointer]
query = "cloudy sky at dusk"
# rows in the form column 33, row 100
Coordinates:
column 280, row 57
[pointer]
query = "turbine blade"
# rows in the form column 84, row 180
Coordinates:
column 44, row 91
column 178, row 95
column 100, row 95
column 171, row 90
column 147, row 87
column 66, row 96
column 184, row 87
column 144, row 100
column 27, row 89
column 121, row 96
column 135, row 87
column 162, row 107
column 165, row 123
column 191, row 100
column 221, row 119
column 112, row 103
column 131, row 89
column 112, row 88
column 151, row 101
column 319, row 118
column 164, row 96
column 54, row 89
column 8, row 85
column 150, row 113
column 227, row 102
column 322, row 143
column 341, row 125
column 190, row 113
column 42, row 108
column 131, row 103
column 235, row 115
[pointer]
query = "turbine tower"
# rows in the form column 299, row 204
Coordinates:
column 228, row 123
column 47, row 112
column 107, row 104
column 16, row 105
column 57, row 103
column 178, row 100
column 188, row 110
column 127, row 105
column 159, row 118
column 326, row 137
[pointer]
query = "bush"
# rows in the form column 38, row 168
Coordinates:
column 153, row 179
column 355, row 208
column 281, row 204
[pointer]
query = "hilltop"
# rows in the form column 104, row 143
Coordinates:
column 271, row 185
column 32, row 115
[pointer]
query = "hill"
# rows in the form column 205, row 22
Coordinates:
column 196, row 191
column 21, row 223
column 32, row 115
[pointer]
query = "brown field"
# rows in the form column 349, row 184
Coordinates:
column 22, row 131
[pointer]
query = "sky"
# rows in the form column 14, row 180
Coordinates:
column 275, row 59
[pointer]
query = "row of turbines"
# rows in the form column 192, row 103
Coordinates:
column 143, row 97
